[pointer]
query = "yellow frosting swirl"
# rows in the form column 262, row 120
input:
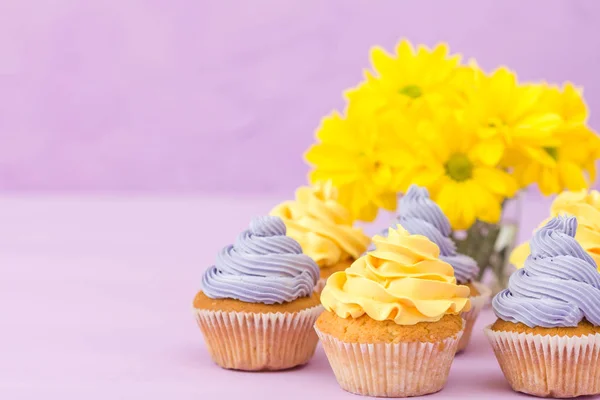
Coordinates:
column 581, row 204
column 321, row 225
column 402, row 280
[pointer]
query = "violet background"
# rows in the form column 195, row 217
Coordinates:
column 214, row 98
column 160, row 96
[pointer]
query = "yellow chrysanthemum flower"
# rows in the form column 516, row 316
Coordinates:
column 464, row 185
column 363, row 158
column 570, row 164
column 407, row 81
column 508, row 116
column 464, row 82
column 471, row 138
column 568, row 103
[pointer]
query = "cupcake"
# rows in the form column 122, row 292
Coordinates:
column 419, row 215
column 547, row 336
column 323, row 227
column 257, row 308
column 583, row 204
column 392, row 321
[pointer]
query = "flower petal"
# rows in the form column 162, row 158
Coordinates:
column 337, row 178
column 548, row 181
column 574, row 110
column 526, row 101
column 357, row 199
column 519, row 255
column 404, row 50
column 501, row 85
column 467, row 205
column 428, row 175
column 487, row 206
column 495, row 181
column 571, row 176
column 383, row 63
column 537, row 125
column 448, row 200
column 387, row 200
column 488, row 151
column 329, row 156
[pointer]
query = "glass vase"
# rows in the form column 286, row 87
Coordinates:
column 491, row 245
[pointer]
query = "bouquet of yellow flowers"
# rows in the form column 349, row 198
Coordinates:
column 473, row 139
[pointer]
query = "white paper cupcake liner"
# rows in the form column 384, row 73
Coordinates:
column 477, row 304
column 548, row 366
column 390, row 369
column 259, row 341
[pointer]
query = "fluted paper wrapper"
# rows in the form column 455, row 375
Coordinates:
column 254, row 342
column 477, row 304
column 548, row 366
column 390, row 369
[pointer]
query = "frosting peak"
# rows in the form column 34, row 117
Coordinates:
column 559, row 284
column 267, row 226
column 581, row 204
column 416, row 204
column 262, row 266
column 420, row 215
column 403, row 280
column 321, row 225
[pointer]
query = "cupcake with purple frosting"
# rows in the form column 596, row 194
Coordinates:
column 420, row 215
column 257, row 308
column 547, row 336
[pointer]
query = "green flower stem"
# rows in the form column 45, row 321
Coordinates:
column 485, row 254
column 491, row 244
column 479, row 244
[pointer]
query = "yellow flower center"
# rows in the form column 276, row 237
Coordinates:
column 378, row 172
column 552, row 152
column 459, row 167
column 495, row 123
column 412, row 91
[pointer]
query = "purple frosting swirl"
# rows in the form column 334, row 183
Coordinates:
column 420, row 215
column 262, row 266
column 559, row 285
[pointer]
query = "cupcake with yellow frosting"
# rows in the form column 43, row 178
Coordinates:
column 392, row 322
column 324, row 228
column 420, row 215
column 583, row 204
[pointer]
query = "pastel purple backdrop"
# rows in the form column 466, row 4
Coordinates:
column 224, row 96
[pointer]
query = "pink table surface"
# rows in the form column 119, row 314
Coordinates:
column 95, row 300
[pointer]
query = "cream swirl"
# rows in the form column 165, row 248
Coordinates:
column 321, row 225
column 420, row 215
column 559, row 285
column 263, row 266
column 402, row 280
